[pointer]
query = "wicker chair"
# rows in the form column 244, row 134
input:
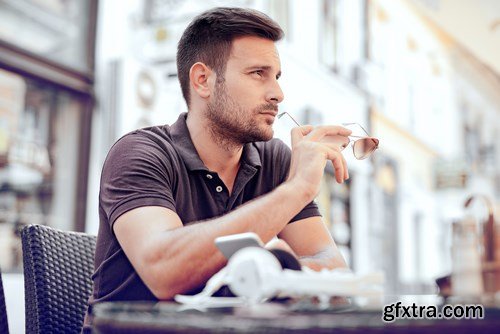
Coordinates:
column 57, row 278
column 4, row 326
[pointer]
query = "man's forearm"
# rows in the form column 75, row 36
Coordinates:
column 187, row 256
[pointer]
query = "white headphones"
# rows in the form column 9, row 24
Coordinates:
column 256, row 274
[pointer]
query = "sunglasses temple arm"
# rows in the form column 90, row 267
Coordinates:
column 293, row 119
column 344, row 124
column 364, row 130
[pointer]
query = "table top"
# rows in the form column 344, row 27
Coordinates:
column 297, row 316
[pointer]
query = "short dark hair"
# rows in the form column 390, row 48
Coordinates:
column 209, row 37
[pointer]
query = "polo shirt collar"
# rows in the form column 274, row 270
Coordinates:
column 181, row 137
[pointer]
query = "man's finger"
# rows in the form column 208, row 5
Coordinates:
column 338, row 149
column 333, row 146
column 328, row 130
column 299, row 132
column 336, row 158
column 346, row 171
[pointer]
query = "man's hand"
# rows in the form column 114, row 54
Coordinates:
column 312, row 147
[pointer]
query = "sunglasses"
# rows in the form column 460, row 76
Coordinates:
column 362, row 146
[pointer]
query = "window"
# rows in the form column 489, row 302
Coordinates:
column 57, row 30
column 330, row 33
column 40, row 162
column 279, row 11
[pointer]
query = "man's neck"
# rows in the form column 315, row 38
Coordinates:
column 222, row 158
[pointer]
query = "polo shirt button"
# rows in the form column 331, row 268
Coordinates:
column 218, row 189
column 209, row 176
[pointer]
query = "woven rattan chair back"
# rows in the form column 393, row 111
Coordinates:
column 58, row 266
column 4, row 326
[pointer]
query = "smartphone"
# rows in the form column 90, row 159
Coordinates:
column 230, row 244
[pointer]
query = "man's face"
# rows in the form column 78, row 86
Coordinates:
column 245, row 102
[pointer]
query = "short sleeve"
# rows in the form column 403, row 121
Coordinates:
column 283, row 154
column 137, row 172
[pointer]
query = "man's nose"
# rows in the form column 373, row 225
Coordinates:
column 275, row 94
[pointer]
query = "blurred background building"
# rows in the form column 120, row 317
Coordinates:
column 46, row 104
column 421, row 75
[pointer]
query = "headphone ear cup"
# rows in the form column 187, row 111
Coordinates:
column 249, row 268
column 287, row 260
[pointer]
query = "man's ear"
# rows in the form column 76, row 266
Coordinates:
column 200, row 78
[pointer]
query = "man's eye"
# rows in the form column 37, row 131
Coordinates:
column 259, row 73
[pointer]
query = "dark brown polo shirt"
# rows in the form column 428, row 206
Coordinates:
column 159, row 166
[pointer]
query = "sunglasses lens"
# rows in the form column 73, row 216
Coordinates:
column 363, row 147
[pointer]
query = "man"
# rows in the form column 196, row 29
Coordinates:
column 167, row 192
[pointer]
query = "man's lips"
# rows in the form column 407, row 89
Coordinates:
column 270, row 112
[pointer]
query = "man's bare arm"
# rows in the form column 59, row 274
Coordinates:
column 173, row 259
